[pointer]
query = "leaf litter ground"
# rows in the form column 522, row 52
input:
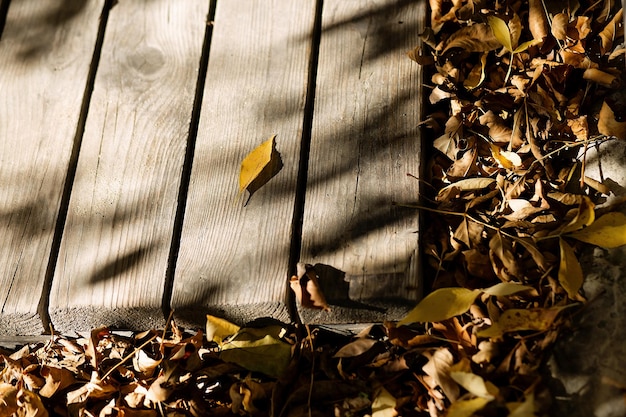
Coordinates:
column 519, row 92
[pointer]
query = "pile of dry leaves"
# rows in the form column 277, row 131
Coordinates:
column 519, row 92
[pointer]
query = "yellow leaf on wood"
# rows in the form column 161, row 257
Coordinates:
column 570, row 271
column 259, row 166
column 441, row 304
column 609, row 231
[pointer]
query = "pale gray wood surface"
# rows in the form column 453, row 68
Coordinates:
column 45, row 54
column 115, row 247
column 365, row 140
column 233, row 260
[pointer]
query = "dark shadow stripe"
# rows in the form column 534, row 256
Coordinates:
column 4, row 10
column 44, row 301
column 183, row 191
column 303, row 169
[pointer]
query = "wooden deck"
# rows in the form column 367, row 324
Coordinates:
column 122, row 129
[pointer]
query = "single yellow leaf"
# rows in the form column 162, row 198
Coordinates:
column 217, row 329
column 515, row 320
column 467, row 408
column 570, row 271
column 524, row 46
column 259, row 166
column 506, row 288
column 585, row 216
column 441, row 304
column 501, row 32
column 609, row 231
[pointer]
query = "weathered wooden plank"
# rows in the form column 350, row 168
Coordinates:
column 45, row 54
column 114, row 252
column 233, row 260
column 364, row 141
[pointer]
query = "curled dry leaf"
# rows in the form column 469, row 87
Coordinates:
column 609, row 125
column 307, row 289
column 537, row 20
column 476, row 38
column 438, row 367
column 8, row 400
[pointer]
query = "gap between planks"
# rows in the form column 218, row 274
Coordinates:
column 44, row 302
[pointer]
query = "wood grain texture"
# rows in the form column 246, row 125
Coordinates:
column 233, row 260
column 114, row 252
column 365, row 140
column 45, row 54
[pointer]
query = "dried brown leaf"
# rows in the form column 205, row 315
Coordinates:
column 307, row 289
column 476, row 38
column 609, row 125
column 537, row 20
column 438, row 367
column 8, row 400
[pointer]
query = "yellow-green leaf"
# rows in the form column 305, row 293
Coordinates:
column 258, row 349
column 570, row 271
column 217, row 329
column 516, row 320
column 609, row 231
column 259, row 166
column 467, row 408
column 501, row 32
column 506, row 288
column 441, row 304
